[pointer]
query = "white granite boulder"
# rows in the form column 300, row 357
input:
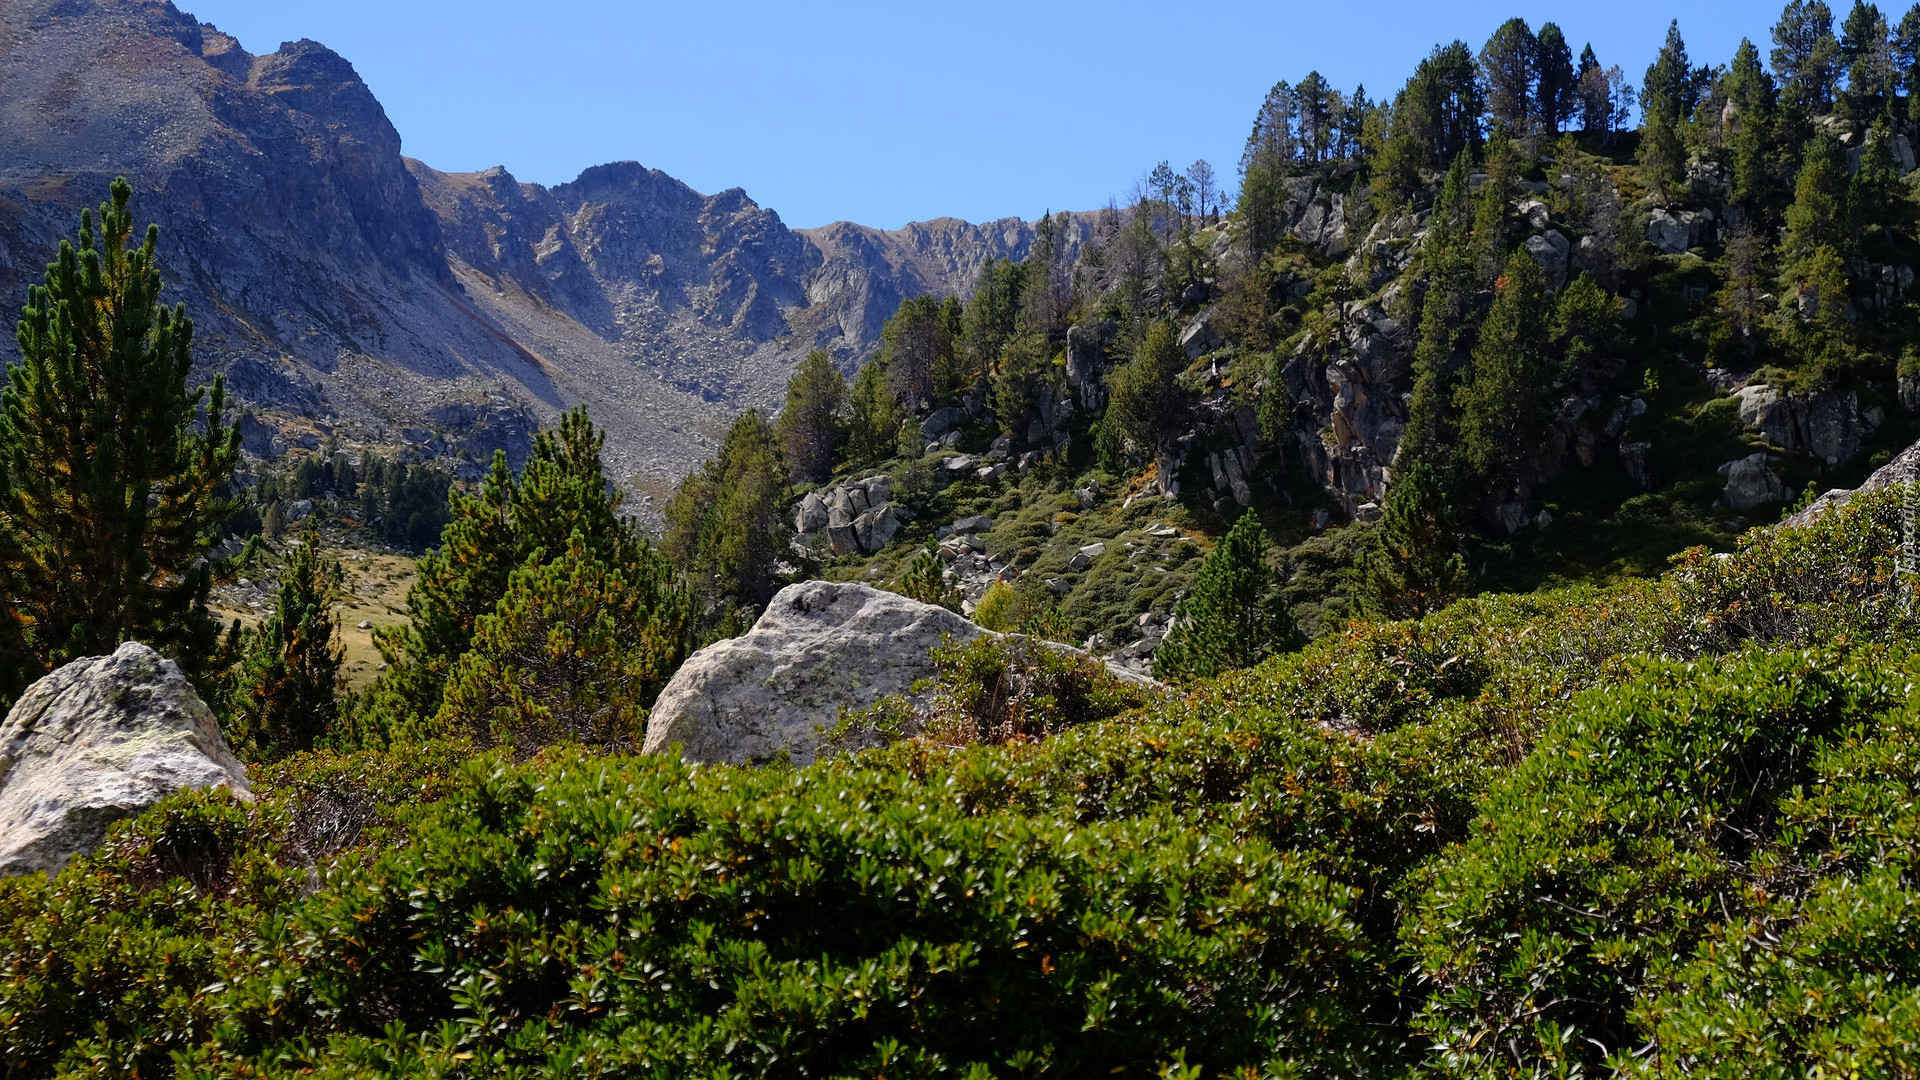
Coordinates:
column 820, row 646
column 98, row 740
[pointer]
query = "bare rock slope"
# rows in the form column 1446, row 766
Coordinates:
column 96, row 741
column 345, row 289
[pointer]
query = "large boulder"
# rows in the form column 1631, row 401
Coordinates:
column 1903, row 469
column 1751, row 484
column 821, row 646
column 96, row 741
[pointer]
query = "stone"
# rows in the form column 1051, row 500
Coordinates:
column 978, row 523
column 958, row 464
column 857, row 498
column 96, row 741
column 879, row 490
column 1536, row 213
column 812, row 513
column 1902, row 469
column 875, row 527
column 1086, row 497
column 943, row 421
column 1751, row 484
column 299, row 509
column 364, row 624
column 1635, row 458
column 1550, row 250
column 1672, row 231
column 1200, row 337
column 1002, row 446
column 843, row 539
column 1833, row 426
column 820, row 647
column 1511, row 516
column 1766, row 412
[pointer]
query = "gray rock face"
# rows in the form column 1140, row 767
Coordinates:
column 1827, row 425
column 820, row 646
column 1673, row 232
column 1902, row 469
column 99, row 740
column 1551, row 251
column 1751, row 484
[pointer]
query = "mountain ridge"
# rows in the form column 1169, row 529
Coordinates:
column 346, row 290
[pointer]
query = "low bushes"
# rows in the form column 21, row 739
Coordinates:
column 1665, row 828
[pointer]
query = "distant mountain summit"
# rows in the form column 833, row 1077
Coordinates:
column 346, row 289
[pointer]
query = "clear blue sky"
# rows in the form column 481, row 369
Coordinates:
column 886, row 113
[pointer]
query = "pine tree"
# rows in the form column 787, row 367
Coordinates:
column 1555, row 91
column 1448, row 266
column 1906, row 61
column 1412, row 564
column 1751, row 94
column 575, row 651
column 1806, row 55
column 727, row 529
column 1669, row 86
column 1144, row 402
column 509, row 522
column 1509, row 68
column 453, row 586
column 1234, row 617
column 874, row 416
column 925, row 580
column 813, row 422
column 1503, row 405
column 112, row 474
column 1493, row 206
column 285, row 697
column 1818, row 216
column 1866, row 53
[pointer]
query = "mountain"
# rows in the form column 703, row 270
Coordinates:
column 347, row 290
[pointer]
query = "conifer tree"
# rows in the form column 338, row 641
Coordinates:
column 1503, row 405
column 1493, row 205
column 1234, row 617
column 1818, row 216
column 1906, row 61
column 1509, row 67
column 813, row 422
column 1144, row 402
column 575, row 651
column 112, row 472
column 1448, row 267
column 1751, row 93
column 1555, row 90
column 1412, row 564
column 510, row 521
column 727, row 529
column 1866, row 53
column 453, row 586
column 1806, row 55
column 286, row 694
column 875, row 416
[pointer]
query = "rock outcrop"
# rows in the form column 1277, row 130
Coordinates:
column 821, row 646
column 96, row 741
column 1902, row 469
